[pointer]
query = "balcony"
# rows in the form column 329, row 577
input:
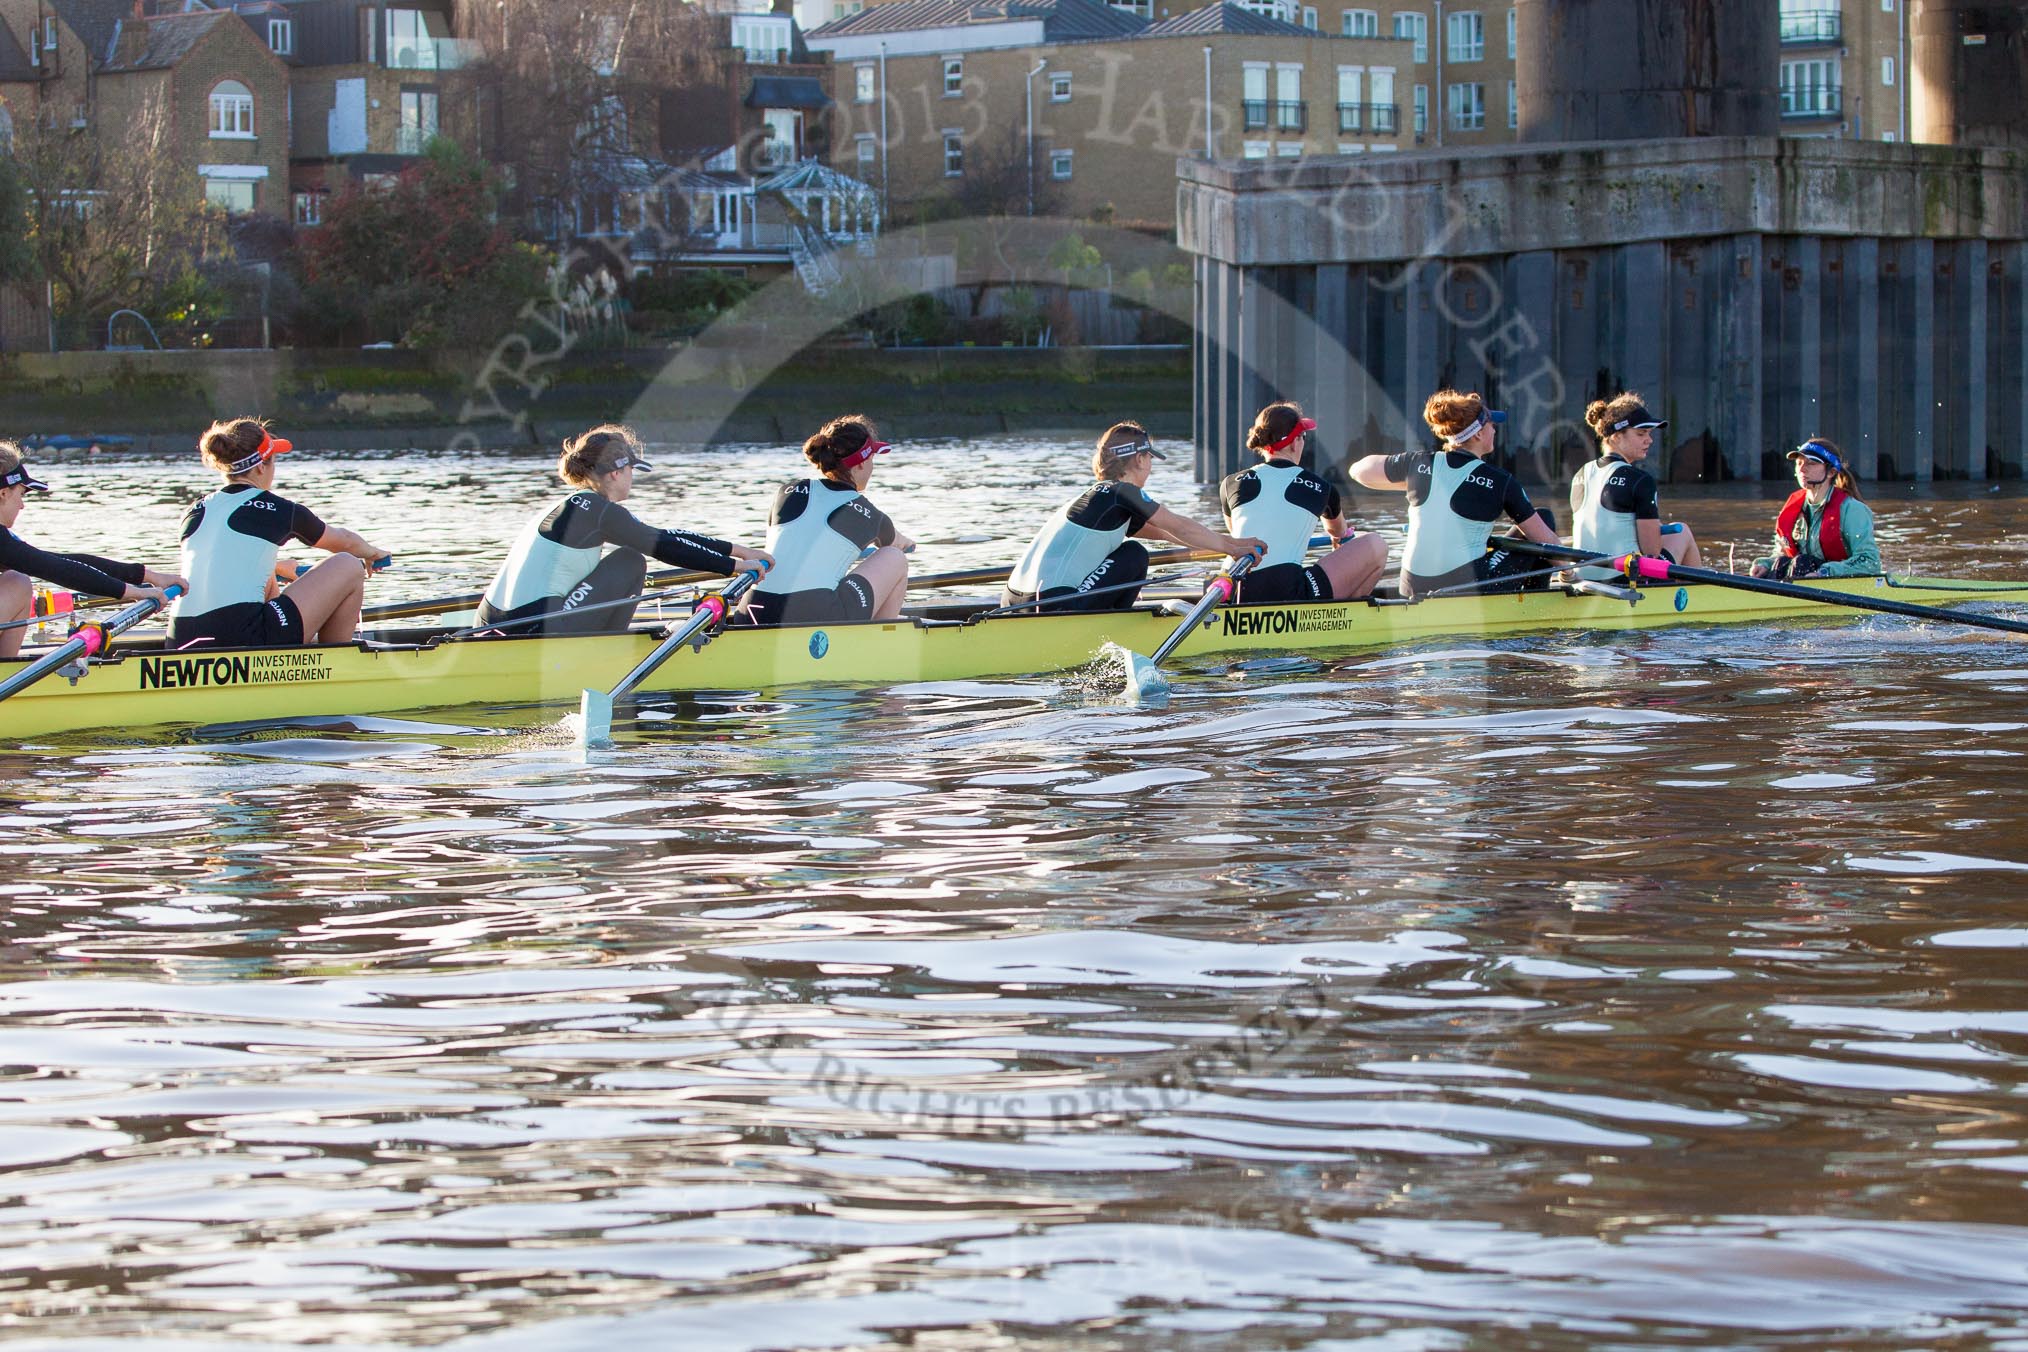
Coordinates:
column 431, row 53
column 1254, row 114
column 1815, row 26
column 1382, row 119
column 1292, row 115
column 1804, row 101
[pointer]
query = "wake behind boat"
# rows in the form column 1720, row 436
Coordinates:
column 141, row 685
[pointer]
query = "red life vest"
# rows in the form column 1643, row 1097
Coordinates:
column 1829, row 534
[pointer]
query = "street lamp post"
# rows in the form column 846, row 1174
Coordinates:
column 1031, row 131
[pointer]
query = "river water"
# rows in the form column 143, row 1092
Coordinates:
column 1653, row 990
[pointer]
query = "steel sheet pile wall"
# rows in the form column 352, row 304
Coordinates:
column 1875, row 294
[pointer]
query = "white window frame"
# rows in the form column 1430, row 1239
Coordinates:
column 1513, row 106
column 1288, row 150
column 1467, row 109
column 282, row 37
column 1513, row 36
column 1360, row 23
column 1419, row 118
column 1255, row 150
column 866, row 148
column 49, row 34
column 1465, row 36
column 307, row 208
column 1310, row 17
column 252, row 192
column 1059, row 86
column 1887, row 71
column 954, row 152
column 1418, row 33
column 230, row 116
column 1060, row 165
column 864, row 89
column 954, row 77
column 1830, row 67
column 1288, row 89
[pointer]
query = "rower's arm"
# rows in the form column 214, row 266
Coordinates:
column 1647, row 535
column 1192, row 533
column 1862, row 551
column 85, row 573
column 1371, row 472
column 339, row 540
column 1537, row 529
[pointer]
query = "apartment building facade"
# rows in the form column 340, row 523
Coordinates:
column 1084, row 108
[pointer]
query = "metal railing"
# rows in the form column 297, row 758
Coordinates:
column 411, row 140
column 1824, row 25
column 1292, row 115
column 1813, row 101
column 431, row 53
column 1254, row 114
column 1383, row 118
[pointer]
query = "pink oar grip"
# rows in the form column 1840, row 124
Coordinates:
column 92, row 637
column 1654, row 570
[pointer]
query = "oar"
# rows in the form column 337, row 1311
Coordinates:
column 595, row 707
column 402, row 610
column 1662, row 570
column 86, row 641
column 972, row 577
column 1144, row 681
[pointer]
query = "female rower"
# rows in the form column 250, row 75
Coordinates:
column 20, row 561
column 1082, row 559
column 1614, row 506
column 230, row 539
column 554, row 580
column 818, row 527
column 1454, row 497
column 1823, row 530
column 1282, row 502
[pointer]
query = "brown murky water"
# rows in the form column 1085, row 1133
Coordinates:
column 1655, row 990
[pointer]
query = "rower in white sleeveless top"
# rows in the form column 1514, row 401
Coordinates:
column 1281, row 503
column 1614, row 506
column 1083, row 559
column 817, row 531
column 1454, row 499
column 558, row 579
column 230, row 542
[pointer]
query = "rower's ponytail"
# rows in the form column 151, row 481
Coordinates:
column 1109, row 467
column 1272, row 426
column 836, row 440
column 598, row 451
column 231, row 440
column 1601, row 414
column 1449, row 412
column 10, row 457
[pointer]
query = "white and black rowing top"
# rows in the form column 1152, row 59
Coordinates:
column 1279, row 503
column 87, row 573
column 1080, row 536
column 816, row 530
column 1607, row 497
column 561, row 544
column 1454, row 498
column 230, row 540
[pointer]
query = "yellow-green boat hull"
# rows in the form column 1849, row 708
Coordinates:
column 143, row 687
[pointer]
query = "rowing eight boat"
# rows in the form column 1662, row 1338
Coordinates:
column 141, row 686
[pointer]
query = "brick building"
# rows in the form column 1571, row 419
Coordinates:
column 977, row 100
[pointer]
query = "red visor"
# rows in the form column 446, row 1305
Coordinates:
column 1306, row 425
column 270, row 447
column 863, row 454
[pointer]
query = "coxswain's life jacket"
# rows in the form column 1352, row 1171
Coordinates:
column 1829, row 534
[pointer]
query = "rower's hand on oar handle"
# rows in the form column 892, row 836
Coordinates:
column 1247, row 547
column 747, row 557
column 163, row 592
column 155, row 577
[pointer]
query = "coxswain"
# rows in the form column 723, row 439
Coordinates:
column 21, row 561
column 559, row 577
column 1281, row 502
column 230, row 541
column 1083, row 558
column 1454, row 499
column 819, row 527
column 1614, row 506
column 1823, row 530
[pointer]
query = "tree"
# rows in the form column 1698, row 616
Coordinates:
column 422, row 260
column 111, row 217
column 17, row 259
column 579, row 91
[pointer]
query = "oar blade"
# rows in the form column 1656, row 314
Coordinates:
column 594, row 719
column 1145, row 682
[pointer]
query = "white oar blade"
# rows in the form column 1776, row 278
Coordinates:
column 595, row 719
column 1145, row 682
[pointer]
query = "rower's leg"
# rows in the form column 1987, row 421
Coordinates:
column 17, row 601
column 328, row 598
column 886, row 571
column 1355, row 566
column 1681, row 547
column 618, row 576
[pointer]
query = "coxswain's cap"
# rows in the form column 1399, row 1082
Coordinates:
column 1491, row 415
column 864, row 453
column 20, row 475
column 1819, row 452
column 1302, row 425
column 1140, row 446
column 270, row 447
column 1640, row 417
